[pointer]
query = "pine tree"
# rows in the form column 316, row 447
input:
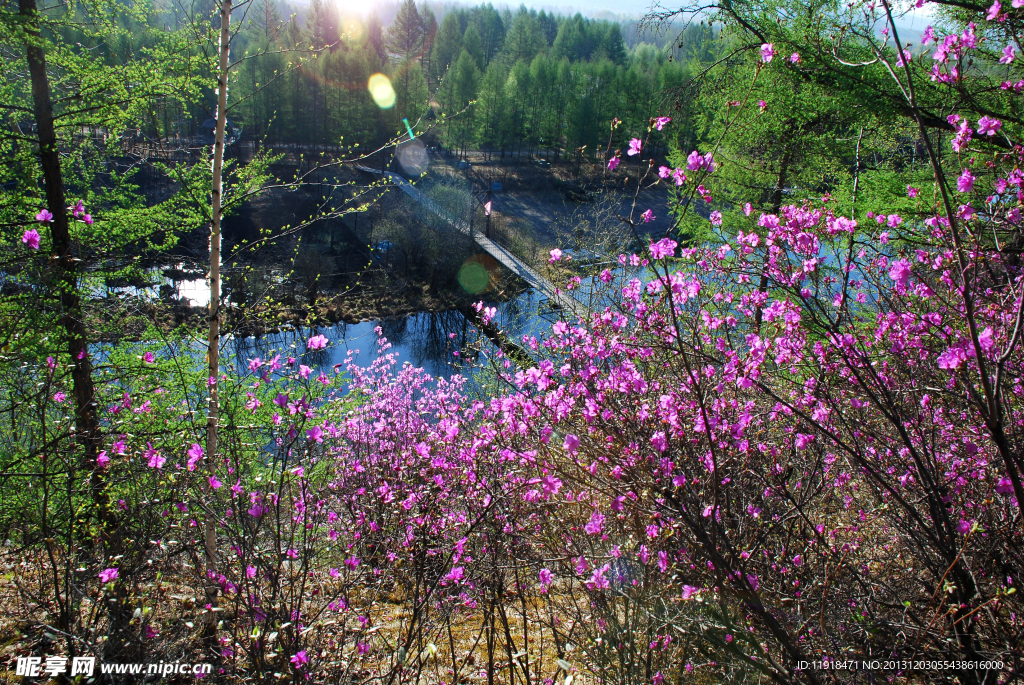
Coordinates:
column 405, row 35
column 429, row 34
column 524, row 39
column 473, row 44
column 447, row 45
column 375, row 36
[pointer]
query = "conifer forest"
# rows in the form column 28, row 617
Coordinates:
column 433, row 343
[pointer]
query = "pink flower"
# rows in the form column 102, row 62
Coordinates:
column 795, row 58
column 595, row 524
column 689, row 592
column 716, row 218
column 993, row 11
column 571, row 443
column 456, row 574
column 912, row 191
column 1009, row 54
column 214, row 483
column 613, row 163
column 150, row 633
column 108, row 575
column 545, row 577
column 679, row 177
column 195, row 453
column 660, row 122
column 665, row 247
column 153, row 458
column 762, row 105
column 747, row 209
column 148, row 358
column 965, row 182
column 900, row 271
column 102, row 459
column 802, row 441
column 59, row 397
column 929, row 35
column 31, row 238
column 556, row 255
column 963, row 527
column 767, row 52
column 317, row 342
column 798, row 560
column 647, row 216
column 44, row 215
column 634, row 147
column 659, row 441
column 316, row 434
column 304, row 371
column 987, row 126
column 300, row 659
column 1004, row 486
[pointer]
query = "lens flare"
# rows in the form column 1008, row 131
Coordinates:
column 381, row 91
column 478, row 273
column 352, row 29
column 412, row 156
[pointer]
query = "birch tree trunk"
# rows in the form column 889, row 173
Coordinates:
column 213, row 340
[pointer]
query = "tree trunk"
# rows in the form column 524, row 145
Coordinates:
column 87, row 425
column 213, row 340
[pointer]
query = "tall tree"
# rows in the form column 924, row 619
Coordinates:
column 405, row 36
column 447, row 45
column 473, row 44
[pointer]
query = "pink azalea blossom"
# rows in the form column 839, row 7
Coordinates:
column 647, row 217
column 571, row 443
column 109, row 575
column 595, row 524
column 154, row 459
column 315, row 434
column 929, row 35
column 716, row 218
column 556, row 255
column 613, row 163
column 660, row 122
column 1004, row 486
column 44, row 215
column 1009, row 54
column 317, row 342
column 634, row 147
column 545, row 577
column 965, row 182
column 31, row 238
column 102, row 459
column 195, row 453
column 767, row 52
column 59, row 397
column 912, row 191
column 300, row 659
column 993, row 11
column 795, row 58
column 987, row 126
column 900, row 271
